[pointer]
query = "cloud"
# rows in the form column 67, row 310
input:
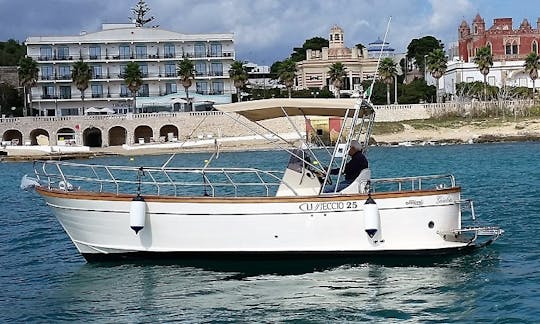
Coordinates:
column 265, row 30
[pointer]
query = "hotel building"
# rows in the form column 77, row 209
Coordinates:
column 108, row 51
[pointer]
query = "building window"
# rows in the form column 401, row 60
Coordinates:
column 216, row 69
column 491, row 80
column 143, row 91
column 45, row 53
column 123, row 68
column 511, row 48
column 64, row 72
column 215, row 50
column 143, row 67
column 200, row 50
column 97, row 91
column 170, row 69
column 124, row 52
column 63, row 53
column 65, row 92
column 46, row 72
column 48, row 92
column 336, row 37
column 96, row 72
column 140, row 51
column 217, row 87
column 168, row 51
column 488, row 45
column 124, row 91
column 534, row 47
column 202, row 87
column 170, row 88
column 200, row 68
column 95, row 52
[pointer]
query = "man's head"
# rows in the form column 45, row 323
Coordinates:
column 355, row 147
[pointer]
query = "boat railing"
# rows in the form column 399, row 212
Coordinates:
column 171, row 181
column 413, row 183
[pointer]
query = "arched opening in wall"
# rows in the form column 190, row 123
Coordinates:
column 117, row 136
column 39, row 137
column 65, row 136
column 168, row 133
column 143, row 134
column 92, row 137
column 13, row 136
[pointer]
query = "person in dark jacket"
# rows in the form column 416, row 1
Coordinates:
column 356, row 164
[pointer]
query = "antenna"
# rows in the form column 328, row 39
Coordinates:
column 379, row 59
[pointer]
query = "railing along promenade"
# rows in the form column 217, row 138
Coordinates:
column 403, row 112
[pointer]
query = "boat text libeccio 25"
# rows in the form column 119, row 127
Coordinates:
column 115, row 212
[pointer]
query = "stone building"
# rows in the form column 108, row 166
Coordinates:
column 505, row 42
column 360, row 66
column 9, row 75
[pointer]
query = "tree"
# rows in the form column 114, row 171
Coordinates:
column 186, row 72
column 238, row 73
column 9, row 97
column 419, row 48
column 81, row 75
column 11, row 52
column 315, row 43
column 436, row 65
column 532, row 65
column 286, row 72
column 387, row 70
column 28, row 75
column 139, row 14
column 484, row 60
column 133, row 79
column 337, row 72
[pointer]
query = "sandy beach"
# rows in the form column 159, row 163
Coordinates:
column 528, row 130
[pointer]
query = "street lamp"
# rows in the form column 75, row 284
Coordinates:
column 425, row 67
column 395, row 89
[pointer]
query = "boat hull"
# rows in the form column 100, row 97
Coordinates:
column 410, row 224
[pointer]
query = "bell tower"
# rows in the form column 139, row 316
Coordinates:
column 336, row 39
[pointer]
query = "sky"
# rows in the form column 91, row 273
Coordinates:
column 266, row 31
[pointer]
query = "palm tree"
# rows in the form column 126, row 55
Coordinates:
column 337, row 72
column 28, row 75
column 81, row 75
column 133, row 79
column 286, row 74
column 484, row 60
column 532, row 65
column 436, row 65
column 186, row 72
column 238, row 74
column 387, row 71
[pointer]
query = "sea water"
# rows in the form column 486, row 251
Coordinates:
column 44, row 279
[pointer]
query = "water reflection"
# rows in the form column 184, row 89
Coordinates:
column 284, row 290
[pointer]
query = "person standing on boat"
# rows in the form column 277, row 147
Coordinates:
column 356, row 164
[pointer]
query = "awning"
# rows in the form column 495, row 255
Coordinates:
column 256, row 110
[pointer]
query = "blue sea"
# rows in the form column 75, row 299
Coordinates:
column 44, row 279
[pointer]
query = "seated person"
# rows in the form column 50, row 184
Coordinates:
column 356, row 164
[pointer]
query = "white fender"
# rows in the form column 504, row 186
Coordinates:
column 372, row 219
column 66, row 186
column 137, row 214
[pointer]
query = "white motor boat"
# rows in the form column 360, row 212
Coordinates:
column 116, row 212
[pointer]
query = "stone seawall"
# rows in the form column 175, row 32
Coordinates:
column 204, row 124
